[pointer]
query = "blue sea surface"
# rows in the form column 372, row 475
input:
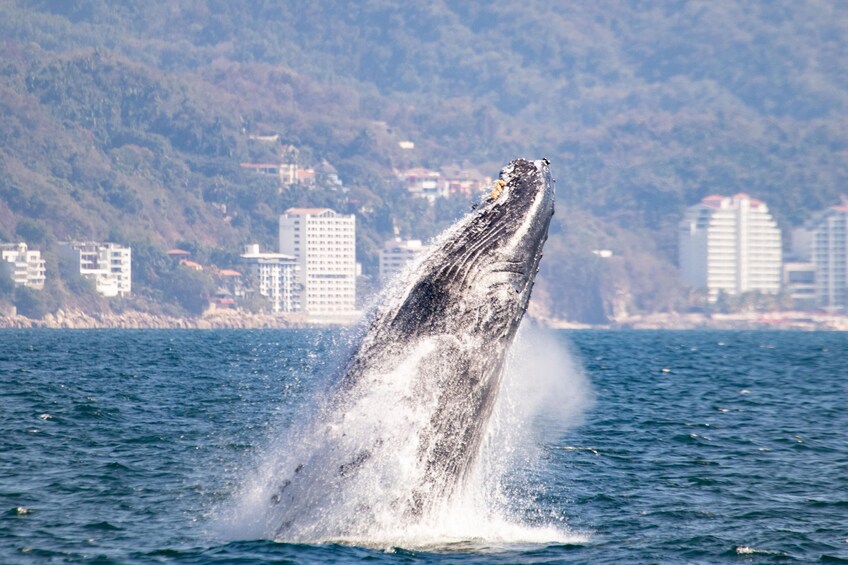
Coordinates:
column 701, row 447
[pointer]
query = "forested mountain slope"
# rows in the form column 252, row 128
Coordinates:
column 128, row 121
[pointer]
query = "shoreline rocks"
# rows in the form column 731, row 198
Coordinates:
column 788, row 320
column 239, row 319
column 219, row 319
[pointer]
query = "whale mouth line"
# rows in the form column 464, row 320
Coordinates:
column 516, row 271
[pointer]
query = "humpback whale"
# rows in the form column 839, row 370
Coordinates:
column 399, row 434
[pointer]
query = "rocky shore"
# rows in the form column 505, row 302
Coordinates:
column 238, row 319
column 807, row 321
column 220, row 319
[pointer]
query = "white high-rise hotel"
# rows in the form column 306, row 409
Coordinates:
column 829, row 249
column 730, row 244
column 324, row 244
column 275, row 276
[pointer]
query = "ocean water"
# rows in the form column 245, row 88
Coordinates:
column 135, row 446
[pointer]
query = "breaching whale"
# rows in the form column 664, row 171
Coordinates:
column 401, row 430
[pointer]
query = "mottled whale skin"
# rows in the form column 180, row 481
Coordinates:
column 399, row 435
column 469, row 295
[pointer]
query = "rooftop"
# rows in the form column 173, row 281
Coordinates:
column 259, row 165
column 191, row 264
column 307, row 211
column 716, row 200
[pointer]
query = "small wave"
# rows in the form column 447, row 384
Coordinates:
column 747, row 550
column 591, row 450
column 819, row 503
column 691, row 438
column 114, row 466
column 103, row 526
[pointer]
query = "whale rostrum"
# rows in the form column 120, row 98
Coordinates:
column 410, row 413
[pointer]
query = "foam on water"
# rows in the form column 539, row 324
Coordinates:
column 543, row 393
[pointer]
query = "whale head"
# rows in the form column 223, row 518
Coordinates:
column 480, row 274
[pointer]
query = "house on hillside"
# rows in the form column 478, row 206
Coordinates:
column 287, row 174
column 423, row 183
column 229, row 290
column 468, row 182
column 109, row 265
column 452, row 179
column 23, row 265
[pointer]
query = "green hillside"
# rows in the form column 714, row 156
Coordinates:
column 128, row 121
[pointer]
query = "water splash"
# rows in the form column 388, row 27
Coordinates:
column 416, row 445
column 345, row 473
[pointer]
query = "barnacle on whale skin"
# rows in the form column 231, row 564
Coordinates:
column 497, row 189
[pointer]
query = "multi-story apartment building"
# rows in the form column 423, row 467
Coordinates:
column 799, row 284
column 730, row 244
column 274, row 276
column 24, row 266
column 799, row 271
column 424, row 183
column 396, row 253
column 324, row 245
column 829, row 250
column 109, row 265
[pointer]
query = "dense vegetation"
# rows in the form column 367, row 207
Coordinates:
column 127, row 121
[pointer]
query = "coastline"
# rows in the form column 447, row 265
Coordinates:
column 784, row 320
column 218, row 319
column 238, row 319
